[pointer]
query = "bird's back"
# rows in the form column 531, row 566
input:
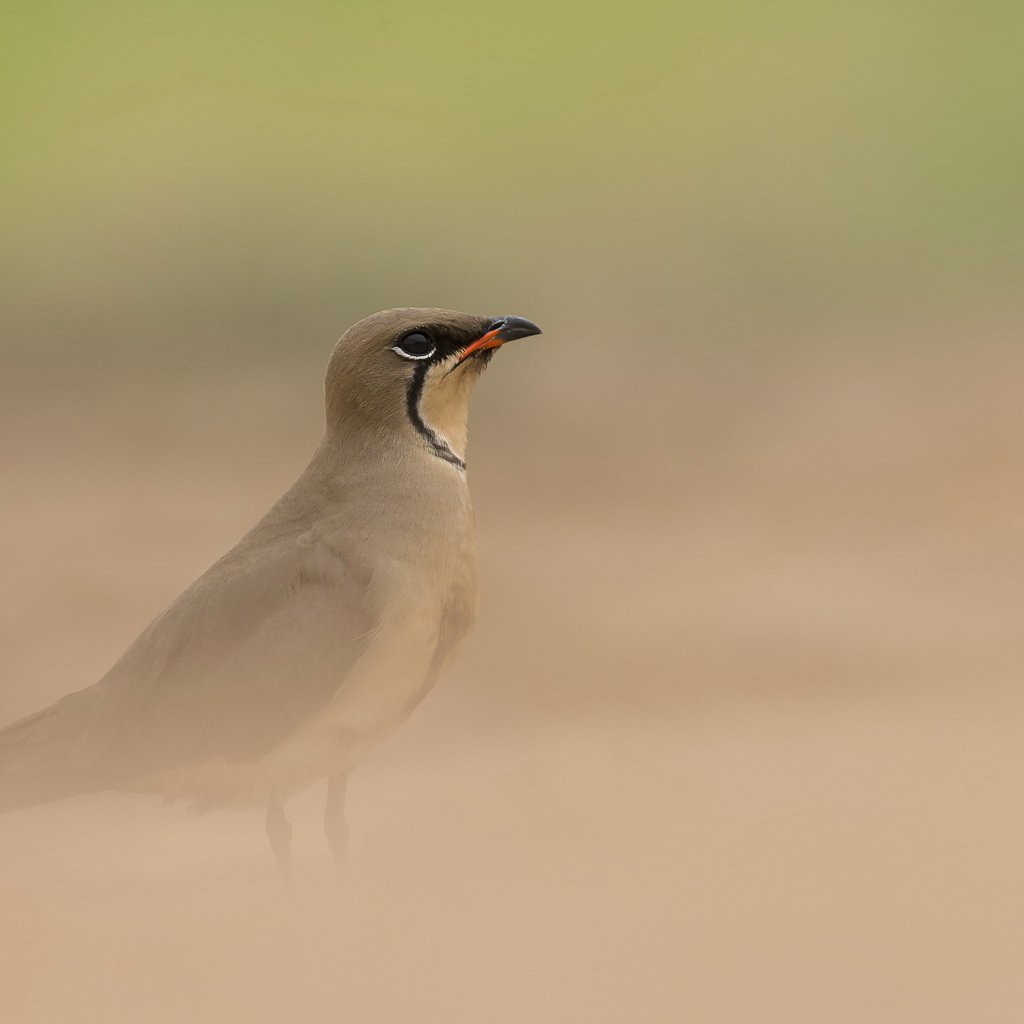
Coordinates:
column 254, row 647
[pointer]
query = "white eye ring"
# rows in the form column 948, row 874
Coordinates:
column 416, row 356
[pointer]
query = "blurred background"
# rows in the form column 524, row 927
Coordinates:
column 738, row 736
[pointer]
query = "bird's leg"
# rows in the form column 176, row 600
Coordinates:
column 279, row 832
column 335, row 825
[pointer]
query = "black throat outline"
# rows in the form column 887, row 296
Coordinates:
column 412, row 405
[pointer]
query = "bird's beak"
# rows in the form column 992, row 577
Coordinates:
column 507, row 328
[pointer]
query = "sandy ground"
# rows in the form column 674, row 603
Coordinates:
column 738, row 737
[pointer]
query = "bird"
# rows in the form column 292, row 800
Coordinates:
column 323, row 628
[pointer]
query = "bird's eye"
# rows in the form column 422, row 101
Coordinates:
column 415, row 346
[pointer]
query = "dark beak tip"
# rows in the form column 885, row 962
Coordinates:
column 514, row 327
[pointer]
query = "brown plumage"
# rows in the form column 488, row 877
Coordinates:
column 323, row 627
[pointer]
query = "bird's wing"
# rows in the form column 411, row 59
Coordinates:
column 412, row 638
column 252, row 649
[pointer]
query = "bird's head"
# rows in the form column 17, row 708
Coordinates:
column 412, row 370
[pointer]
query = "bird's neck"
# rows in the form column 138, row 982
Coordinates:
column 398, row 496
column 433, row 419
column 404, row 470
column 440, row 413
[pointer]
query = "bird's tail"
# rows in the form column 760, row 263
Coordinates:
column 40, row 756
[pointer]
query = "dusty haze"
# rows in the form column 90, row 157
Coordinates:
column 737, row 738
